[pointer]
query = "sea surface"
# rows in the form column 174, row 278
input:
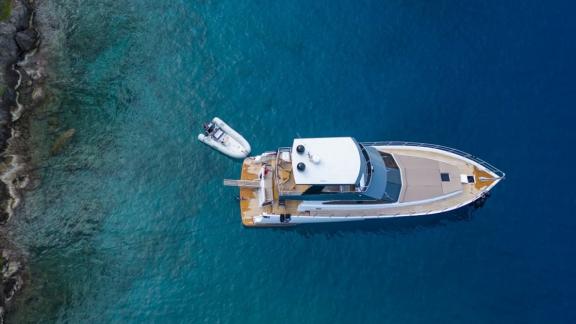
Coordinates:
column 131, row 223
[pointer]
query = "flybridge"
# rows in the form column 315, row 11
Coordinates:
column 328, row 161
column 335, row 168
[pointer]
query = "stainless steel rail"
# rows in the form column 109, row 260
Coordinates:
column 478, row 160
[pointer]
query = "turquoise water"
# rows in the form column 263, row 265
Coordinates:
column 131, row 223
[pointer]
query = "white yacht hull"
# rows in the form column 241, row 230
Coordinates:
column 275, row 219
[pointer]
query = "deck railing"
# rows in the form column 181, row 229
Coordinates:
column 476, row 159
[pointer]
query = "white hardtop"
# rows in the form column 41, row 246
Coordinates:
column 330, row 160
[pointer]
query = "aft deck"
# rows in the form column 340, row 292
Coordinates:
column 249, row 203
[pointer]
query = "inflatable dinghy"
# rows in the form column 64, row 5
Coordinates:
column 221, row 137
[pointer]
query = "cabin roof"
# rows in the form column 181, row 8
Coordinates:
column 330, row 160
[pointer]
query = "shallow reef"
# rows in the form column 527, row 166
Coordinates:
column 18, row 40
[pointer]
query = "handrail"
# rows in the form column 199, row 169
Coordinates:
column 478, row 160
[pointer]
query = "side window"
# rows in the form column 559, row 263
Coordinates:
column 389, row 160
column 329, row 189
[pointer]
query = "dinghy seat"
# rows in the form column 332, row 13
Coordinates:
column 218, row 134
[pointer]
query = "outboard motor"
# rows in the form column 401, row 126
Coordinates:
column 208, row 128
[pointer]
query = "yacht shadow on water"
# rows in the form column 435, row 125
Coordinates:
column 402, row 225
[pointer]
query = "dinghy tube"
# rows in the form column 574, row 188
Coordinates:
column 230, row 143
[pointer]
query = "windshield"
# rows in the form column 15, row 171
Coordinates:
column 367, row 176
column 383, row 174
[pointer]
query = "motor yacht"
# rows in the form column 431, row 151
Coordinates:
column 338, row 179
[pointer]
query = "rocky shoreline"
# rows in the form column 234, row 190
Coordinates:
column 21, row 76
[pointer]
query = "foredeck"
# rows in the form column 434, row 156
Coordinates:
column 484, row 179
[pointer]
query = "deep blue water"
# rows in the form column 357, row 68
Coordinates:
column 131, row 222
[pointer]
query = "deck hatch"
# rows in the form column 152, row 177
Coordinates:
column 445, row 177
